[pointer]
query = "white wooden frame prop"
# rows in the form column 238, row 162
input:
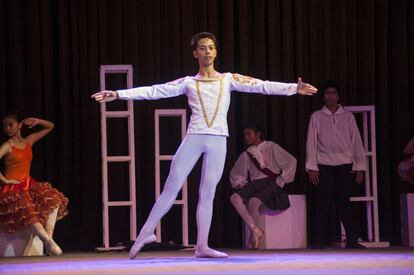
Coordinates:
column 130, row 158
column 181, row 113
column 371, row 198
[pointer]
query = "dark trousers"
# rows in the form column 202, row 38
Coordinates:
column 335, row 183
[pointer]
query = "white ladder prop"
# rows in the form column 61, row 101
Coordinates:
column 130, row 158
column 370, row 198
column 158, row 158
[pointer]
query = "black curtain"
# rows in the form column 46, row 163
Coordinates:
column 49, row 66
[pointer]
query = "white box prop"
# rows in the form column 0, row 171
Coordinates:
column 407, row 219
column 283, row 229
column 22, row 243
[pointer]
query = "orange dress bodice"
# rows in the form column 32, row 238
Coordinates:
column 27, row 202
column 17, row 163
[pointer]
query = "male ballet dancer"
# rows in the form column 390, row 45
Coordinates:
column 208, row 94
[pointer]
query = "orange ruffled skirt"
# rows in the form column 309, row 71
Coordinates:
column 29, row 202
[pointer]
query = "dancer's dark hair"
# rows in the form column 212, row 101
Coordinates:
column 201, row 35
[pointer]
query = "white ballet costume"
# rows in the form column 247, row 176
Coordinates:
column 209, row 100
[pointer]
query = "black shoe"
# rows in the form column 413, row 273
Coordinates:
column 316, row 246
column 354, row 245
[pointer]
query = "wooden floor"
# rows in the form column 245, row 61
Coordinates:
column 303, row 262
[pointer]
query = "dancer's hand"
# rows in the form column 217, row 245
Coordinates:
column 305, row 88
column 105, row 96
column 30, row 122
column 359, row 176
column 313, row 177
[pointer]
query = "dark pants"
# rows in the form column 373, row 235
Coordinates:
column 335, row 183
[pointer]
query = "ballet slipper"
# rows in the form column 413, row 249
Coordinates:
column 251, row 243
column 256, row 234
column 52, row 248
column 209, row 253
column 138, row 245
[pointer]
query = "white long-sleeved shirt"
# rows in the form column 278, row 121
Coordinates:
column 269, row 155
column 334, row 139
column 209, row 92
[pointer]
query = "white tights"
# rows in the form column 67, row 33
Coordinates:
column 51, row 222
column 193, row 146
column 249, row 213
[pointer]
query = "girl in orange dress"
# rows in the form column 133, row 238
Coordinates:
column 25, row 203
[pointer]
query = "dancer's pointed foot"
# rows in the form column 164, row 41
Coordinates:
column 249, row 244
column 52, row 248
column 256, row 234
column 138, row 245
column 252, row 243
column 209, row 253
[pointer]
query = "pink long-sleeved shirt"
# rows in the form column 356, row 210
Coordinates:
column 334, row 139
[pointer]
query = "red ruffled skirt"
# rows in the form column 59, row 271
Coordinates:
column 27, row 203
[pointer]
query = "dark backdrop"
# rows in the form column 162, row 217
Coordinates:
column 50, row 57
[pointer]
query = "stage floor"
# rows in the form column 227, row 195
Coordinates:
column 303, row 262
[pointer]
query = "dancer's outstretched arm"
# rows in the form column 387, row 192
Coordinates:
column 253, row 85
column 170, row 89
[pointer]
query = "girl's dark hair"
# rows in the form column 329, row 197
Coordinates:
column 201, row 35
column 330, row 84
column 253, row 126
column 13, row 115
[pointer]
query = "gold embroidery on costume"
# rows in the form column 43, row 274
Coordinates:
column 246, row 79
column 208, row 79
column 209, row 123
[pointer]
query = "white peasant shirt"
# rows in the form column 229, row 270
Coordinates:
column 269, row 155
column 334, row 139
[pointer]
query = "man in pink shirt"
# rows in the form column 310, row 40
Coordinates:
column 335, row 157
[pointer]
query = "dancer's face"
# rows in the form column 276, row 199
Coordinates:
column 251, row 136
column 206, row 52
column 11, row 127
column 331, row 96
